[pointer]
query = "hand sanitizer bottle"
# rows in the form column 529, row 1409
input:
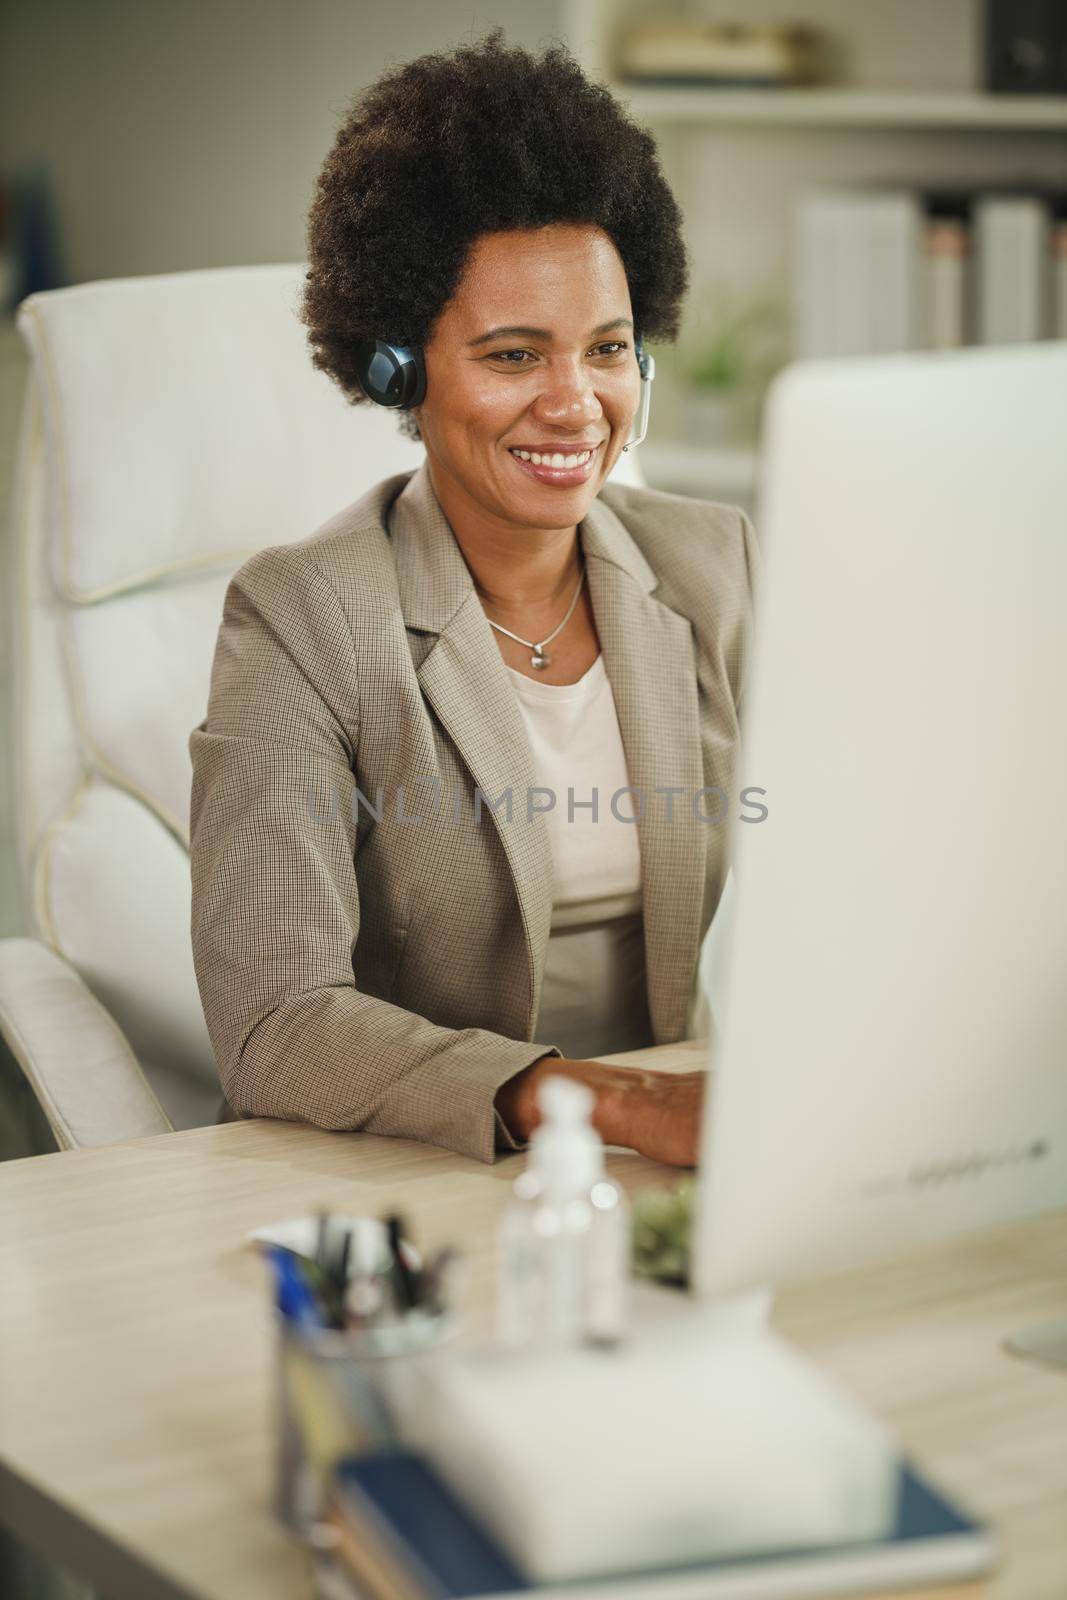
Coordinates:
column 564, row 1239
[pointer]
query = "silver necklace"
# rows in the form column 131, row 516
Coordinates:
column 539, row 659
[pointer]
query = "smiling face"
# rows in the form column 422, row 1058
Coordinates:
column 559, row 380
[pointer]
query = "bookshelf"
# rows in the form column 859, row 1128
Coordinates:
column 905, row 108
column 843, row 108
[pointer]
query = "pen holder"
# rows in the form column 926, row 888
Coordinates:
column 339, row 1393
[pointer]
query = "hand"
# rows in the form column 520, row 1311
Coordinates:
column 658, row 1114
column 661, row 1114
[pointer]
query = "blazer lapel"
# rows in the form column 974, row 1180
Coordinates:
column 649, row 658
column 464, row 678
column 649, row 654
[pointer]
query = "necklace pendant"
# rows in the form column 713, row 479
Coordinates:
column 539, row 659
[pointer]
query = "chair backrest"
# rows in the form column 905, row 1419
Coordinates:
column 173, row 425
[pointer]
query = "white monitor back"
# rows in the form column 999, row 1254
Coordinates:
column 892, row 1028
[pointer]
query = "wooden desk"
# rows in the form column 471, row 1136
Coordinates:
column 136, row 1358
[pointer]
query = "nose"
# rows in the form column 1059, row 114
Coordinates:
column 569, row 398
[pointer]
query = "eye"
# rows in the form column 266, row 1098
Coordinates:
column 612, row 345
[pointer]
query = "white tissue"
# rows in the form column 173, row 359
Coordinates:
column 695, row 1440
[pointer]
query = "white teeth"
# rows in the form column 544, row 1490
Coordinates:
column 556, row 460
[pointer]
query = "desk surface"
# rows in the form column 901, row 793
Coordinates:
column 136, row 1358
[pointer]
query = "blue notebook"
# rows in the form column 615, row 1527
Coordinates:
column 409, row 1538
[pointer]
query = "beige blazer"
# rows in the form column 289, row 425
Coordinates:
column 373, row 959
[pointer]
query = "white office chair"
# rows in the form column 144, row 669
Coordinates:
column 172, row 426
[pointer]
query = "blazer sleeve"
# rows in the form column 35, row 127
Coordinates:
column 275, row 904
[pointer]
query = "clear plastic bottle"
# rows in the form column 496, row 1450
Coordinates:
column 564, row 1238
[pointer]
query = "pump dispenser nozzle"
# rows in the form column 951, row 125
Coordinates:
column 565, row 1099
column 565, row 1149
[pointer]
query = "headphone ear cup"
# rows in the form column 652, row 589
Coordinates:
column 391, row 374
column 642, row 355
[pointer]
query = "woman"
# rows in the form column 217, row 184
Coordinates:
column 406, row 909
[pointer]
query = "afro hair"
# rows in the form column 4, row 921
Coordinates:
column 446, row 148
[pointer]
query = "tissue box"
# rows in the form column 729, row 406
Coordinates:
column 687, row 1444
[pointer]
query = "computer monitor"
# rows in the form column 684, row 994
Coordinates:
column 890, row 1061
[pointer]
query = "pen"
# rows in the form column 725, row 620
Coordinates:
column 296, row 1299
column 407, row 1280
column 336, row 1275
column 328, row 1293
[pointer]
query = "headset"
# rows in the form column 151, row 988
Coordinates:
column 395, row 375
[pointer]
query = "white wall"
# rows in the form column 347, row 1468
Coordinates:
column 188, row 133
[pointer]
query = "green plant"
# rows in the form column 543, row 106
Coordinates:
column 660, row 1232
column 745, row 344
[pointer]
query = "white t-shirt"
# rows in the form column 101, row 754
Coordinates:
column 593, row 995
